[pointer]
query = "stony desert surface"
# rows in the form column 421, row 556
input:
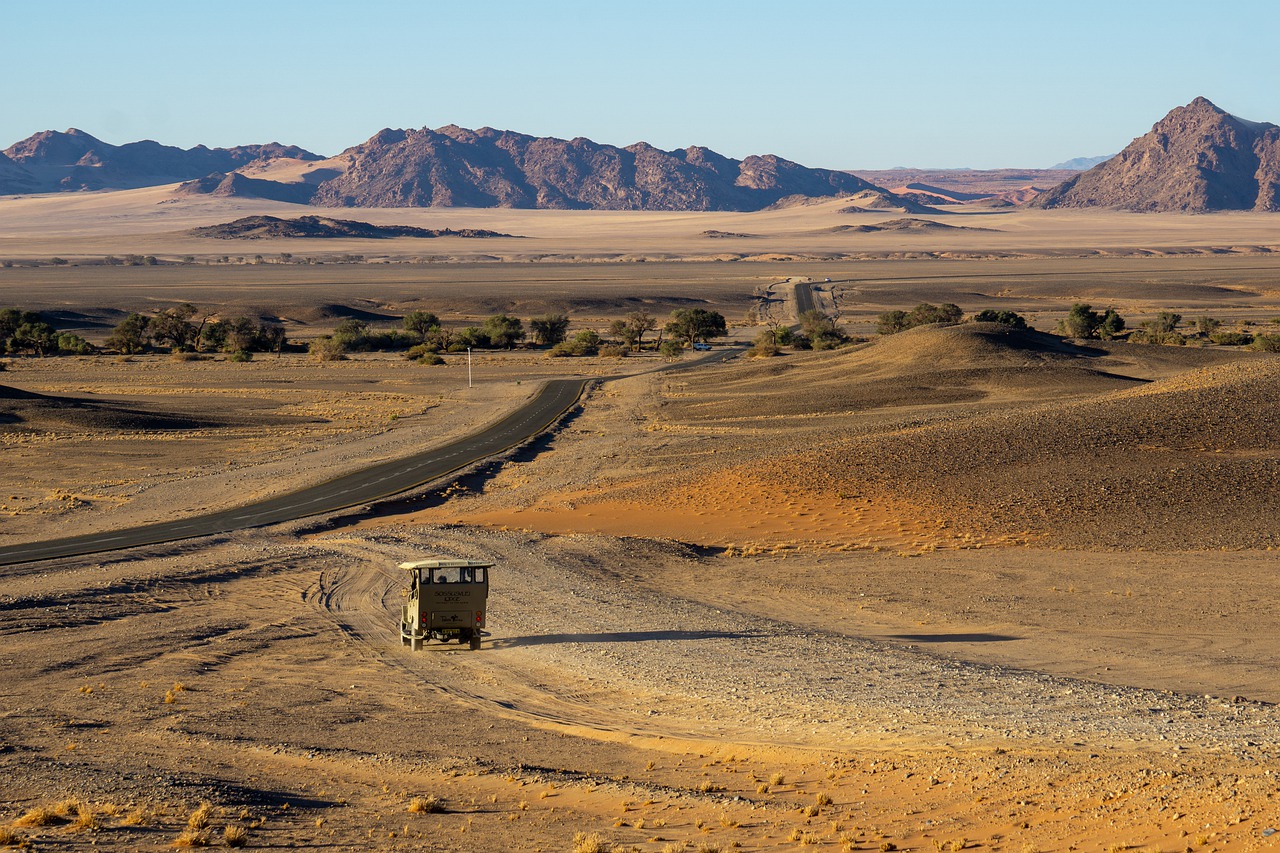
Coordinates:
column 958, row 588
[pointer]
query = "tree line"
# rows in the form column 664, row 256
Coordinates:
column 1083, row 322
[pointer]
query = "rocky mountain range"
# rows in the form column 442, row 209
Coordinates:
column 448, row 167
column 51, row 161
column 1196, row 159
column 456, row 167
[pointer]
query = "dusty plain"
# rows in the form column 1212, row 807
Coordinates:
column 953, row 589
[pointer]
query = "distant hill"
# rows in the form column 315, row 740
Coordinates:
column 1079, row 164
column 264, row 227
column 1196, row 159
column 456, row 167
column 967, row 186
column 51, row 161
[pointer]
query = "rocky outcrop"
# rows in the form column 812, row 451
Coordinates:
column 1196, row 159
column 236, row 185
column 263, row 227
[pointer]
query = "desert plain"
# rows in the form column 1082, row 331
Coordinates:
column 956, row 588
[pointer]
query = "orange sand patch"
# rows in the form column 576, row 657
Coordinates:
column 728, row 510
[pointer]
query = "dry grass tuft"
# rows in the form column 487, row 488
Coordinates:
column 9, row 838
column 192, row 838
column 199, row 818
column 235, row 835
column 426, row 805
column 822, row 799
column 589, row 843
column 39, row 816
column 85, row 819
column 140, row 816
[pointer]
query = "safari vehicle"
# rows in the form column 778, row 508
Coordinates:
column 446, row 602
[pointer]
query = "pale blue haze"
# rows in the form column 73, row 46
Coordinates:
column 835, row 84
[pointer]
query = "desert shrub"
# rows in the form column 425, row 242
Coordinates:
column 326, row 349
column 1267, row 343
column 357, row 336
column 892, row 322
column 1231, row 339
column 1164, row 322
column 4, row 365
column 235, row 835
column 612, row 351
column 1004, row 318
column 671, row 349
column 766, row 345
column 430, row 359
column 240, row 355
column 1083, row 322
column 1207, row 325
column 426, row 805
column 1157, row 338
column 416, row 352
column 926, row 313
column 586, row 342
column 68, row 343
column 821, row 330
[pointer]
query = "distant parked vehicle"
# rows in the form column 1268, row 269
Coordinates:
column 701, row 347
column 446, row 602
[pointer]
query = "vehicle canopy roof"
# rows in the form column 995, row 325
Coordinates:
column 446, row 564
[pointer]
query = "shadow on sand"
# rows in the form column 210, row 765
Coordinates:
column 955, row 638
column 618, row 637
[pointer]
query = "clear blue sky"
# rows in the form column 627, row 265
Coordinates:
column 855, row 84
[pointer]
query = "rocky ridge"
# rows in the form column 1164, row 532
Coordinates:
column 53, row 161
column 456, row 167
column 1197, row 159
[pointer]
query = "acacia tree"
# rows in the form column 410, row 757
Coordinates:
column 421, row 323
column 638, row 323
column 174, row 328
column 503, row 331
column 131, row 335
column 821, row 330
column 694, row 325
column 549, row 329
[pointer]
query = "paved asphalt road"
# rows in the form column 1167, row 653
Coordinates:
column 360, row 487
column 804, row 298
